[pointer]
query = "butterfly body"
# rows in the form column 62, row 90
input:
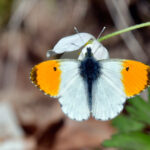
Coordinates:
column 90, row 86
column 90, row 71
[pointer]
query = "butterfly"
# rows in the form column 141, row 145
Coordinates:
column 91, row 86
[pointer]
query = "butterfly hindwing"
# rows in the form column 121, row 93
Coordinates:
column 119, row 79
column 74, row 100
column 73, row 93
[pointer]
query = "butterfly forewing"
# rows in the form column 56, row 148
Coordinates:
column 47, row 77
column 61, row 78
column 135, row 77
column 119, row 79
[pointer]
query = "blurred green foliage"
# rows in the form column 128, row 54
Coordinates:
column 133, row 127
column 5, row 11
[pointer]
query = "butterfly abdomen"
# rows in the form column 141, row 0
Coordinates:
column 90, row 71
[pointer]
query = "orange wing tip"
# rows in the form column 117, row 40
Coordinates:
column 47, row 77
column 148, row 76
column 135, row 77
column 34, row 80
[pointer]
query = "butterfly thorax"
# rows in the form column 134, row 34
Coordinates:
column 90, row 71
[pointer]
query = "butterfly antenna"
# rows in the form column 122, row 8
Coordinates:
column 101, row 32
column 99, row 37
column 77, row 31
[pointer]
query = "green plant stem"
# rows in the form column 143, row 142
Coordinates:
column 123, row 31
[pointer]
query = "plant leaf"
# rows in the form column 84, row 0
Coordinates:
column 139, row 109
column 129, row 141
column 127, row 124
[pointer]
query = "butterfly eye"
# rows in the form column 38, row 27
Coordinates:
column 127, row 68
column 54, row 68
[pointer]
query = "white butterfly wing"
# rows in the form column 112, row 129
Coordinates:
column 73, row 93
column 108, row 94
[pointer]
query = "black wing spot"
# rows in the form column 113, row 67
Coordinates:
column 55, row 68
column 127, row 68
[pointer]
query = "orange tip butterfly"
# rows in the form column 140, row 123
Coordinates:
column 93, row 85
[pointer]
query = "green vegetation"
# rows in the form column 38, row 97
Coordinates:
column 5, row 11
column 133, row 126
column 146, row 24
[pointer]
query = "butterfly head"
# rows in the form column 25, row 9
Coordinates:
column 89, row 52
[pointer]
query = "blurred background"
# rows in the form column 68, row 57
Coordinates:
column 29, row 120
